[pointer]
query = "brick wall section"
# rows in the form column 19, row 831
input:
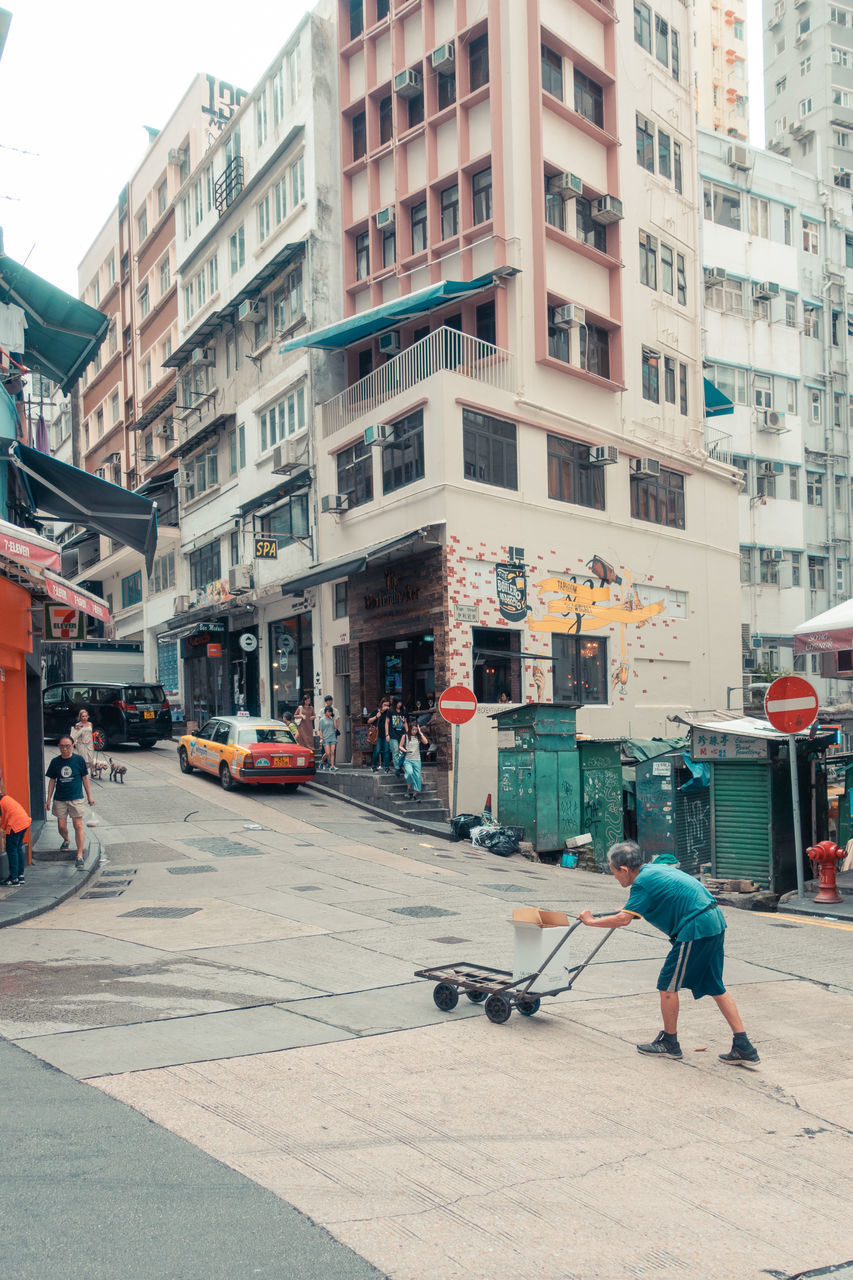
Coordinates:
column 395, row 600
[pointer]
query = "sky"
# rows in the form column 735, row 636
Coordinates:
column 79, row 81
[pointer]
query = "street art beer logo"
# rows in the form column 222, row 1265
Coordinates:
column 511, row 588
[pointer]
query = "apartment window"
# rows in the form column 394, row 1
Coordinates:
column 489, row 450
column 280, row 200
column 289, row 521
column 359, row 135
column 478, row 62
column 111, row 271
column 237, row 249
column 677, row 171
column 341, row 603
column 263, row 219
column 669, row 380
column 667, row 277
column 842, row 57
column 162, row 574
column 278, row 96
column 114, row 407
column 297, row 181
column 589, row 99
column 645, row 144
column 449, row 212
column 356, row 18
column 811, row 321
column 721, row 205
column 355, row 473
column 261, row 121
column 389, row 248
column 643, row 25
column 759, row 217
column 815, row 408
column 659, row 499
column 746, row 564
column 112, row 338
column 675, row 61
column 841, row 97
column 146, row 377
column 580, row 669
column 661, row 40
column 817, row 573
column 142, row 226
column 144, row 302
column 416, row 110
column 587, row 229
column 386, row 119
column 796, row 561
column 294, row 73
column 131, row 589
column 165, row 276
column 162, row 198
column 682, row 389
column 403, row 460
column 555, row 207
column 446, row 89
column 232, row 452
column 680, row 280
column 552, row 72
column 485, row 325
column 481, row 191
column 810, row 237
column 806, row 65
column 205, row 565
column 595, row 349
column 649, row 261
column 762, row 391
column 167, row 348
column 791, row 310
column 558, row 338
column 651, row 375
column 664, row 154
column 805, row 107
column 781, row 85
column 419, row 227
column 213, row 273
column 362, row 255
column 814, row 488
column 760, row 305
column 794, row 484
column 839, row 15
column 571, row 478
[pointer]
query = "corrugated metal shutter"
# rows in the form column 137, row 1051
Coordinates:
column 741, row 811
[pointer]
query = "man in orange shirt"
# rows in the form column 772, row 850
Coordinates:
column 14, row 822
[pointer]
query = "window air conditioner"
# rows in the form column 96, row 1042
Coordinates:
column 767, row 555
column 408, row 84
column 714, row 275
column 379, row 434
column 772, row 468
column 645, row 466
column 204, row 356
column 766, row 290
column 335, row 502
column 443, row 58
column 748, row 661
column 185, row 477
column 389, row 342
column 113, row 459
column 240, row 577
column 602, row 454
column 249, row 310
column 566, row 317
column 607, row 209
column 737, row 157
column 565, row 185
column 777, row 554
column 284, row 457
column 386, row 217
column 182, row 604
column 177, row 156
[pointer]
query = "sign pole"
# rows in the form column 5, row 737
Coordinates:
column 455, row 767
column 795, row 808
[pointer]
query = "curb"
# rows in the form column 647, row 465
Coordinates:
column 11, row 912
column 423, row 828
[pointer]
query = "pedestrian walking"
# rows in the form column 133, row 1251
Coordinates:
column 14, row 823
column 82, row 737
column 395, row 733
column 381, row 718
column 69, row 779
column 304, row 720
column 681, row 907
column 329, row 739
column 410, row 750
column 329, row 701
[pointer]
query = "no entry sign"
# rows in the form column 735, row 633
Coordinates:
column 457, row 704
column 791, row 704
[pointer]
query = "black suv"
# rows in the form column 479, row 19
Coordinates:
column 123, row 712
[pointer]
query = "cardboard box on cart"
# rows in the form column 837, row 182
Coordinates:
column 536, row 933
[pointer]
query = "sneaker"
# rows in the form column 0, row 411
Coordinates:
column 740, row 1057
column 14, row 882
column 662, row 1048
column 21, row 880
column 64, row 847
column 79, row 864
column 334, row 769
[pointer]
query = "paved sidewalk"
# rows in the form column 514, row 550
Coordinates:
column 48, row 883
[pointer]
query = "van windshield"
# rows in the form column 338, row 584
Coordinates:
column 261, row 734
column 144, row 693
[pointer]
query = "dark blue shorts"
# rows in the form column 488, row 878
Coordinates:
column 696, row 965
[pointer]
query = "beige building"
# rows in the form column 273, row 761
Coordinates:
column 722, row 97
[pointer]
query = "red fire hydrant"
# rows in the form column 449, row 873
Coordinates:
column 826, row 856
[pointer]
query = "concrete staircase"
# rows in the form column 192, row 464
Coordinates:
column 387, row 792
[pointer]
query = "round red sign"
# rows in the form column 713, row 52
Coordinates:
column 457, row 704
column 791, row 704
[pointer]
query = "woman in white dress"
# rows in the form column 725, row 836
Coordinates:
column 83, row 739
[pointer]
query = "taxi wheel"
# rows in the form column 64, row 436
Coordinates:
column 228, row 783
column 290, row 786
column 184, row 760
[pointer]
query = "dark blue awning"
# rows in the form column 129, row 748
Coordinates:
column 716, row 404
column 355, row 328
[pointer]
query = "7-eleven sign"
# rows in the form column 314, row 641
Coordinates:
column 62, row 623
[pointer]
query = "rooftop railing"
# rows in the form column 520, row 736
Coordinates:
column 718, row 444
column 445, row 350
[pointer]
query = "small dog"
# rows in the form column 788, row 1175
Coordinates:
column 117, row 771
column 97, row 768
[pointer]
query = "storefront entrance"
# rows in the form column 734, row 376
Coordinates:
column 206, row 683
column 407, row 670
column 291, row 663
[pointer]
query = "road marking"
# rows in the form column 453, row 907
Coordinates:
column 825, row 924
column 792, row 704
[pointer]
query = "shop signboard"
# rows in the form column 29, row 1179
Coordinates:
column 62, row 623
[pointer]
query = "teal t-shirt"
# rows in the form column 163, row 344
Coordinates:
column 671, row 900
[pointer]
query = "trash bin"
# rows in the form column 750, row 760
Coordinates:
column 536, row 934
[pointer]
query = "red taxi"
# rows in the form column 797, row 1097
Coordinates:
column 246, row 749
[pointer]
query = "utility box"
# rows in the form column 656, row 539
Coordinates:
column 539, row 772
column 601, row 778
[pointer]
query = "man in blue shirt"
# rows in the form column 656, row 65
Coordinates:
column 69, row 777
column 681, row 907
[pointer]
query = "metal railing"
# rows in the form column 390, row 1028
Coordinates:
column 229, row 185
column 718, row 444
column 444, row 350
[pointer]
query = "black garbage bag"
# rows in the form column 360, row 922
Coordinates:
column 499, row 840
column 460, row 826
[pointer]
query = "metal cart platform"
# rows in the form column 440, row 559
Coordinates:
column 498, row 988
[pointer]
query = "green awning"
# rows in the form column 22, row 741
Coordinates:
column 355, row 328
column 63, row 333
column 716, row 404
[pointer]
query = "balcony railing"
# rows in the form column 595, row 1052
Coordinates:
column 444, row 350
column 229, row 185
column 718, row 444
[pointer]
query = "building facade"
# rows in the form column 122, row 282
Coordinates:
column 722, row 97
column 515, row 490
